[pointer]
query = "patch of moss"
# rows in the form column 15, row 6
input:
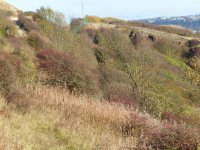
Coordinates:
column 177, row 63
column 169, row 75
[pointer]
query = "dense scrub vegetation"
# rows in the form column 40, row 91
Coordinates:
column 143, row 88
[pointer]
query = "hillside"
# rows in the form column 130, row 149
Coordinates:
column 7, row 7
column 97, row 83
column 191, row 22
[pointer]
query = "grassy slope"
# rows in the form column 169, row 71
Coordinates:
column 57, row 120
column 51, row 118
column 7, row 7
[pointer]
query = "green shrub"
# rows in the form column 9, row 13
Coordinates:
column 7, row 78
column 195, row 63
column 6, row 28
column 26, row 70
column 51, row 15
column 189, row 74
column 192, row 76
column 76, row 24
column 169, row 47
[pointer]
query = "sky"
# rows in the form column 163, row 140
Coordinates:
column 123, row 9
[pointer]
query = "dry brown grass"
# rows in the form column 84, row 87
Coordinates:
column 57, row 120
column 51, row 118
column 5, row 6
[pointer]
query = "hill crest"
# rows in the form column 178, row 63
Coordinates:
column 7, row 7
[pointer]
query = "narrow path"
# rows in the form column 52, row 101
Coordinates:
column 162, row 33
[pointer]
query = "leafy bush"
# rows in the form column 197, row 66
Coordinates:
column 192, row 76
column 195, row 63
column 51, row 15
column 26, row 70
column 75, row 24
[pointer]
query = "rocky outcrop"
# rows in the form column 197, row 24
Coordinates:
column 134, row 37
column 194, row 51
column 152, row 38
column 193, row 43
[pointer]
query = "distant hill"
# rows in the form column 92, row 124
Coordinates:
column 192, row 22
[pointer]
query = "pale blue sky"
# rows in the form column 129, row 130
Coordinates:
column 124, row 9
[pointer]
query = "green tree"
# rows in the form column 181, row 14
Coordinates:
column 51, row 15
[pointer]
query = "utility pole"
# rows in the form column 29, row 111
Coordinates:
column 82, row 8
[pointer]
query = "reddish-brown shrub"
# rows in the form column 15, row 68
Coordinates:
column 136, row 124
column 160, row 135
column 170, row 117
column 16, row 42
column 64, row 70
column 37, row 41
column 125, row 101
column 174, row 137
